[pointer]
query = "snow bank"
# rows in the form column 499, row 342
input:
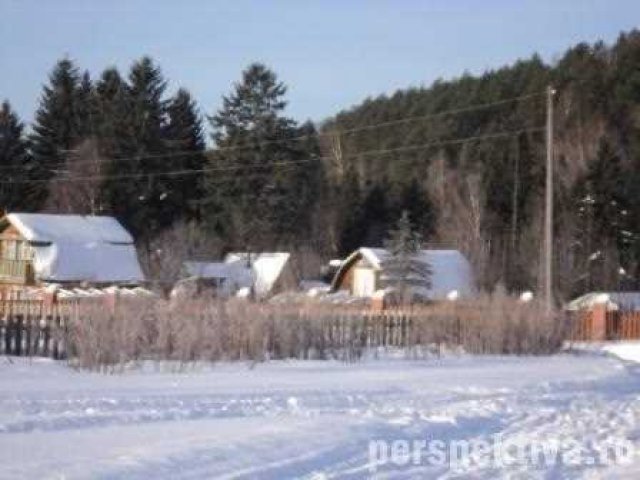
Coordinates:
column 624, row 350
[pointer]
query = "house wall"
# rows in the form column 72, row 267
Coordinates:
column 365, row 281
column 14, row 248
column 9, row 233
column 349, row 278
column 346, row 281
column 286, row 281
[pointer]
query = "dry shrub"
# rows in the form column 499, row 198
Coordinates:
column 204, row 329
column 504, row 325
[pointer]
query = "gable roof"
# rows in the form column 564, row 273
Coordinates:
column 450, row 269
column 266, row 268
column 45, row 227
column 79, row 248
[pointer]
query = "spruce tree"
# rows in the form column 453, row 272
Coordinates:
column 137, row 113
column 351, row 228
column 87, row 105
column 15, row 162
column 415, row 200
column 114, row 137
column 58, row 126
column 184, row 137
column 253, row 137
column 404, row 270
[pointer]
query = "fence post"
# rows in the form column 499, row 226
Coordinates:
column 18, row 334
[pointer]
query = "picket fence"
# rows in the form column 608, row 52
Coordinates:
column 35, row 328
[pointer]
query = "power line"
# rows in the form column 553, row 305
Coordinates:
column 186, row 172
column 332, row 133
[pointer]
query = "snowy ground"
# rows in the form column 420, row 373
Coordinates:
column 309, row 419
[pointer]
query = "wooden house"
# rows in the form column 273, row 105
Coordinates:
column 70, row 250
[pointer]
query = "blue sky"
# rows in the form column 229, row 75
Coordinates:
column 331, row 54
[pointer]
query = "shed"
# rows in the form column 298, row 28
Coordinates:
column 267, row 273
column 613, row 301
column 363, row 273
column 272, row 271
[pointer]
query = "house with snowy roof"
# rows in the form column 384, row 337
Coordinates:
column 69, row 250
column 261, row 274
column 364, row 274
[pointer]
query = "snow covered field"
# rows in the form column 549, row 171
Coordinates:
column 309, row 419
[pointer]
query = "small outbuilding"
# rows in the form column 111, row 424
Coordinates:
column 262, row 274
column 611, row 301
column 271, row 272
column 363, row 274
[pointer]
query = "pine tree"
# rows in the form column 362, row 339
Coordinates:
column 15, row 162
column 183, row 135
column 404, row 270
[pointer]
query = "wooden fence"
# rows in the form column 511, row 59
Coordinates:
column 618, row 325
column 158, row 329
column 35, row 328
column 30, row 327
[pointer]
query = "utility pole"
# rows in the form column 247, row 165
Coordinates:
column 548, row 227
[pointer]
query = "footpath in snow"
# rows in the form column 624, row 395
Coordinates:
column 310, row 419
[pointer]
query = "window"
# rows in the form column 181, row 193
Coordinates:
column 16, row 250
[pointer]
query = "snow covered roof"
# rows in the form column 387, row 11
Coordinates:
column 237, row 275
column 266, row 268
column 613, row 300
column 46, row 227
column 450, row 270
column 79, row 248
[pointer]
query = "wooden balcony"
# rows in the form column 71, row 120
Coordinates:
column 16, row 272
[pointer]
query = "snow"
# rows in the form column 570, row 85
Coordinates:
column 234, row 275
column 308, row 419
column 262, row 273
column 628, row 350
column 613, row 300
column 74, row 248
column 52, row 228
column 219, row 270
column 266, row 268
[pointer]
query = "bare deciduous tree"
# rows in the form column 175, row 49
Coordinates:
column 77, row 184
column 163, row 259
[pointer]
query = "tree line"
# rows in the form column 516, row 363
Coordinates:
column 468, row 178
column 473, row 178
